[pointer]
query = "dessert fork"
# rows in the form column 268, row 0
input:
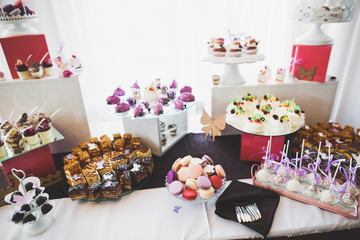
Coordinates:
column 247, row 212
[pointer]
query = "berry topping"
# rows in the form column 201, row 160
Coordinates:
column 276, row 117
column 232, row 111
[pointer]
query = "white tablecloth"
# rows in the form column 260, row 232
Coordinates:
column 148, row 214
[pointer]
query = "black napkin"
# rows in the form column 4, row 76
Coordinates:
column 239, row 192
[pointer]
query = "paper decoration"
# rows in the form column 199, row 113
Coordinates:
column 215, row 125
column 307, row 74
column 176, row 209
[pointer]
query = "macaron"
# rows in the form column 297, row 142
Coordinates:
column 195, row 170
column 186, row 160
column 183, row 174
column 203, row 182
column 206, row 193
column 191, row 184
column 176, row 165
column 208, row 159
column 196, row 161
column 209, row 169
column 171, row 176
column 216, row 181
column 189, row 194
column 220, row 171
column 176, row 187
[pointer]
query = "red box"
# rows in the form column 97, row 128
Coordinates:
column 20, row 47
column 252, row 146
column 311, row 62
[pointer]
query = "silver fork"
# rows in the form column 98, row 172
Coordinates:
column 247, row 212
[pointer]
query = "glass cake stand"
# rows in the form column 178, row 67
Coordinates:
column 232, row 75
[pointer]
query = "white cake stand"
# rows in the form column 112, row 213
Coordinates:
column 232, row 75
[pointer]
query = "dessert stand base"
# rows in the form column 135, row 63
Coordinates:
column 39, row 226
column 19, row 29
column 232, row 76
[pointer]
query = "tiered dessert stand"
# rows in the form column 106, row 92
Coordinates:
column 232, row 75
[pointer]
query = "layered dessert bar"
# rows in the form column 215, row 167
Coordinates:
column 76, row 151
column 105, row 146
column 129, row 153
column 75, row 179
column 103, row 167
column 125, row 180
column 70, row 157
column 148, row 163
column 84, row 158
column 119, row 145
column 109, row 176
column 120, row 169
column 127, row 137
column 91, row 176
column 105, row 138
column 111, row 189
column 78, row 192
column 109, row 155
column 95, row 140
column 72, row 167
column 138, row 173
column 134, row 160
column 95, row 191
column 116, row 136
column 143, row 152
column 136, row 142
column 94, row 150
column 84, row 146
column 118, row 160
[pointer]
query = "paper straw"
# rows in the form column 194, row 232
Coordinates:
column 337, row 169
column 42, row 108
column 33, row 110
column 11, row 113
column 43, row 58
column 42, row 120
column 52, row 115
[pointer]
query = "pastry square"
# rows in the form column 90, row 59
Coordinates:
column 94, row 140
column 111, row 189
column 75, row 179
column 95, row 191
column 84, row 155
column 106, row 146
column 97, row 159
column 109, row 176
column 127, row 137
column 136, row 142
column 138, row 173
column 134, row 160
column 117, row 160
column 125, row 180
column 129, row 153
column 110, row 155
column 105, row 138
column 78, row 192
column 94, row 150
column 116, row 136
column 148, row 163
column 90, row 166
column 119, row 145
column 91, row 176
column 102, row 167
column 72, row 167
column 76, row 151
column 83, row 145
column 122, row 168
column 70, row 157
column 143, row 152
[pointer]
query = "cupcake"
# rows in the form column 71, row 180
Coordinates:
column 211, row 44
column 44, row 130
column 158, row 109
column 270, row 100
column 186, row 89
column 187, row 97
column 219, row 49
column 264, row 109
column 22, row 70
column 112, row 100
column 250, row 46
column 173, row 85
column 36, row 71
column 119, row 92
column 31, row 136
column 179, row 104
column 278, row 125
column 171, row 94
column 255, row 123
column 131, row 101
column 296, row 116
column 280, row 75
column 250, row 102
column 235, row 49
column 139, row 111
column 122, row 107
column 236, row 116
column 47, row 68
column 151, row 93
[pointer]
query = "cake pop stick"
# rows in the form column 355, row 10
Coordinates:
column 296, row 161
column 287, row 147
column 270, row 144
column 267, row 148
column 317, row 158
column 350, row 166
column 336, row 171
column 282, row 153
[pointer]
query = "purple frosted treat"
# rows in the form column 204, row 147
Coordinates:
column 158, row 109
column 15, row 12
column 186, row 89
column 122, row 107
column 203, row 182
column 171, row 176
column 135, row 85
column 112, row 100
column 173, row 84
column 179, row 104
column 8, row 8
column 187, row 97
column 171, row 94
column 164, row 89
column 145, row 104
column 119, row 92
column 131, row 101
column 27, row 9
column 163, row 101
column 139, row 111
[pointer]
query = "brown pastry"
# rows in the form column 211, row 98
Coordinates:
column 138, row 173
column 129, row 153
column 70, row 157
column 143, row 152
column 94, row 150
column 125, row 180
column 109, row 176
column 119, row 145
column 75, row 179
column 103, row 167
column 105, row 146
column 116, row 136
column 110, row 155
column 111, row 189
column 118, row 160
column 105, row 138
column 95, row 191
column 323, row 125
column 136, row 142
column 83, row 145
column 78, row 192
column 127, row 137
column 76, row 151
column 95, row 140
column 148, row 163
column 91, row 176
column 90, row 166
column 73, row 167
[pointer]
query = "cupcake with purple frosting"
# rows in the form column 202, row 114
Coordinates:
column 173, row 85
column 171, row 94
column 163, row 101
column 158, row 109
column 111, row 100
column 119, row 92
column 139, row 111
column 131, row 101
column 187, row 97
column 122, row 107
column 186, row 89
column 179, row 104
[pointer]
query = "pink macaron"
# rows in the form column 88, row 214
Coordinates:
column 186, row 160
column 176, row 165
column 189, row 195
column 176, row 187
column 183, row 174
column 195, row 171
column 203, row 182
column 208, row 159
column 220, row 171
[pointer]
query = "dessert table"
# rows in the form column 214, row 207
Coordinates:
column 149, row 214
